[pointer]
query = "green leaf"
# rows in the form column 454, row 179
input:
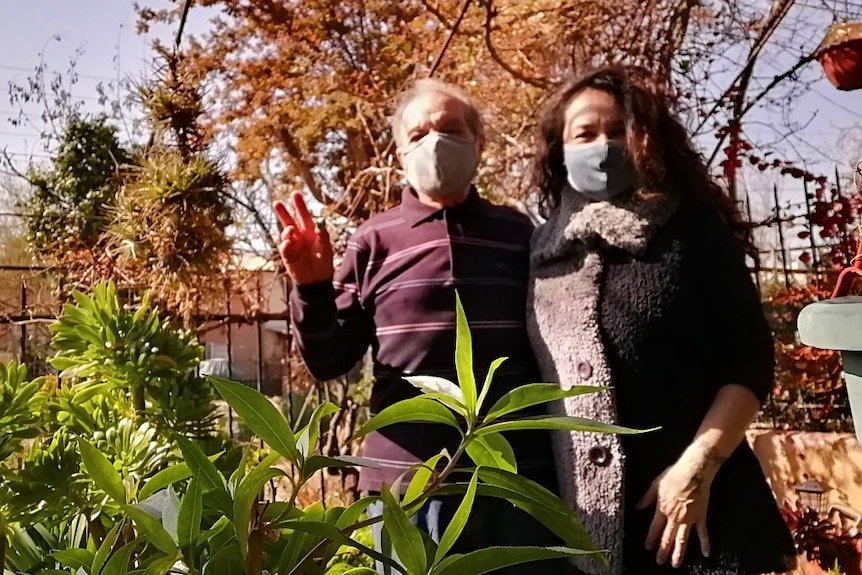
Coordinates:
column 464, row 356
column 226, row 561
column 449, row 402
column 161, row 566
column 360, row 571
column 102, row 472
column 189, row 519
column 406, row 539
column 486, row 387
column 561, row 423
column 346, row 521
column 246, row 497
column 332, row 533
column 459, row 520
column 429, row 384
column 293, row 551
column 535, row 394
column 298, row 542
column 420, row 479
column 173, row 474
column 417, row 409
column 307, row 440
column 88, row 392
column 118, row 564
column 75, row 558
column 542, row 504
column 164, row 505
column 105, row 549
column 260, row 415
column 205, row 472
column 318, row 462
column 492, row 450
column 493, row 558
column 280, row 511
column 152, row 530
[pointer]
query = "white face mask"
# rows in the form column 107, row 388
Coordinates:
column 440, row 165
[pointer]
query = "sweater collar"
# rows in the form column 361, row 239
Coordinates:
column 627, row 223
column 415, row 212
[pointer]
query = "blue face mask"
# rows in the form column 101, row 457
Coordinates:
column 599, row 171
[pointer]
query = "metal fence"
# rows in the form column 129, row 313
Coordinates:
column 782, row 230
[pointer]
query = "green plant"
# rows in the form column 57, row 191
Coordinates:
column 347, row 559
column 129, row 386
column 68, row 205
column 20, row 405
column 142, row 514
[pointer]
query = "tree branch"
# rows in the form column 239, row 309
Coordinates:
column 449, row 38
column 304, row 168
column 437, row 13
column 776, row 18
column 489, row 18
column 801, row 63
column 258, row 218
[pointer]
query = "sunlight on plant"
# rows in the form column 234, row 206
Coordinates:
column 113, row 486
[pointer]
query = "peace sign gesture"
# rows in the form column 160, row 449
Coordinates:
column 305, row 248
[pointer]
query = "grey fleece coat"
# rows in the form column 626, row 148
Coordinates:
column 653, row 298
column 566, row 266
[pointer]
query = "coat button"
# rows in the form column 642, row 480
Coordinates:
column 585, row 370
column 600, row 456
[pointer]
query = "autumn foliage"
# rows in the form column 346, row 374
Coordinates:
column 303, row 89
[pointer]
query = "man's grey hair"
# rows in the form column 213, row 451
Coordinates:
column 430, row 85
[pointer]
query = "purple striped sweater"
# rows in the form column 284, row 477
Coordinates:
column 395, row 292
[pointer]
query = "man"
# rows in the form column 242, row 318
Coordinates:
column 395, row 292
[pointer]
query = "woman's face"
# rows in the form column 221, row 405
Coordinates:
column 593, row 116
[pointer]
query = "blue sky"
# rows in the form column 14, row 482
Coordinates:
column 104, row 30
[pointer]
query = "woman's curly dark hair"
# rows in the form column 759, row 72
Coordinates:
column 658, row 144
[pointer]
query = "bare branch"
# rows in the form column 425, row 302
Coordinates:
column 802, row 62
column 489, row 19
column 449, row 38
column 304, row 168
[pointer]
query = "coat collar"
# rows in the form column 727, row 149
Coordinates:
column 627, row 223
column 415, row 212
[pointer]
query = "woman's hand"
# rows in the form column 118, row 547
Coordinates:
column 681, row 498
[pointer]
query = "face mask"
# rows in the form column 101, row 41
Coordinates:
column 439, row 165
column 600, row 171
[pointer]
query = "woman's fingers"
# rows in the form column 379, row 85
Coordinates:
column 703, row 537
column 668, row 539
column 649, row 497
column 655, row 529
column 680, row 544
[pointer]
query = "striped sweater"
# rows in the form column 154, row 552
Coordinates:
column 395, row 292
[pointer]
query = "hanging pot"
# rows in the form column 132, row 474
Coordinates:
column 840, row 55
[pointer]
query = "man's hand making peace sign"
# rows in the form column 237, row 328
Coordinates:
column 305, row 248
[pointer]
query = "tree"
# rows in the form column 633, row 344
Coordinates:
column 68, row 207
column 150, row 216
column 302, row 90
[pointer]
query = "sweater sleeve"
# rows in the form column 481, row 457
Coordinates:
column 741, row 335
column 332, row 328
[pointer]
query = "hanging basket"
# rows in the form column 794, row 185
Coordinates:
column 840, row 55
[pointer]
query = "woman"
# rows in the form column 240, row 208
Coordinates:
column 639, row 281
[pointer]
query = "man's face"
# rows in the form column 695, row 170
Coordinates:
column 435, row 112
